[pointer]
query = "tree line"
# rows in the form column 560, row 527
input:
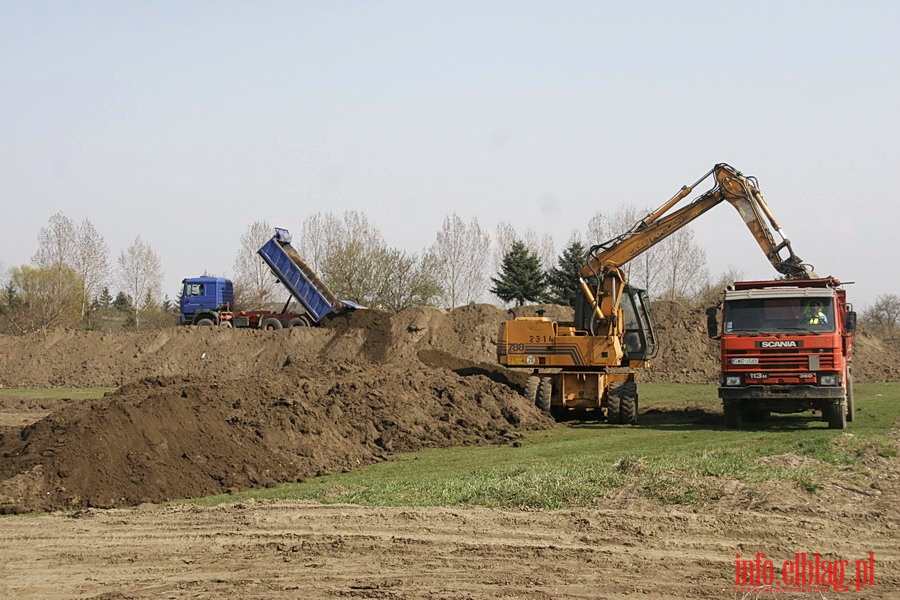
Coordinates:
column 71, row 279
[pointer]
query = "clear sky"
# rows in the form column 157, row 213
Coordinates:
column 184, row 122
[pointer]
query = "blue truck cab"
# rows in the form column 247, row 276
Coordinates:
column 204, row 298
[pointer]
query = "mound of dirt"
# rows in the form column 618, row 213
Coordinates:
column 204, row 410
column 164, row 438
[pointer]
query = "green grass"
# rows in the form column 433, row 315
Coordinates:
column 681, row 454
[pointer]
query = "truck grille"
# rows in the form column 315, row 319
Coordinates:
column 774, row 361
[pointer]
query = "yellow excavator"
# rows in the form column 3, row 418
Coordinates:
column 590, row 364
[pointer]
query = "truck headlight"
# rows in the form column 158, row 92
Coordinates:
column 732, row 380
column 831, row 379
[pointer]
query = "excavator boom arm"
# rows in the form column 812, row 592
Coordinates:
column 732, row 186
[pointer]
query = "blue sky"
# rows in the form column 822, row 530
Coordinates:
column 184, row 122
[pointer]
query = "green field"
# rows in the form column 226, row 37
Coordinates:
column 679, row 454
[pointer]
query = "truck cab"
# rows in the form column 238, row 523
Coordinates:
column 786, row 346
column 203, row 299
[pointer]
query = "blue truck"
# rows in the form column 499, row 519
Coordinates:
column 209, row 301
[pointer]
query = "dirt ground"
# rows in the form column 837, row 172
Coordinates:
column 199, row 411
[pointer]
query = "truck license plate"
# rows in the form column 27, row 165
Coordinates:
column 745, row 361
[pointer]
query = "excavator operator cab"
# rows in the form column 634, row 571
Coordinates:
column 639, row 340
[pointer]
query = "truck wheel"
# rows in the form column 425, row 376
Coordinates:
column 851, row 405
column 531, row 389
column 544, row 393
column 628, row 403
column 205, row 323
column 271, row 323
column 836, row 415
column 299, row 322
column 613, row 404
column 733, row 418
column 226, row 325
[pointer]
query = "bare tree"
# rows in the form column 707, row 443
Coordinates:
column 685, row 263
column 404, row 280
column 254, row 284
column 341, row 249
column 56, row 243
column 597, row 229
column 79, row 247
column 140, row 275
column 313, row 238
column 543, row 246
column 884, row 315
column 91, row 261
column 504, row 237
column 461, row 253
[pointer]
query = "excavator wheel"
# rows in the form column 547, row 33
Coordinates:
column 531, row 388
column 613, row 404
column 628, row 403
column 544, row 393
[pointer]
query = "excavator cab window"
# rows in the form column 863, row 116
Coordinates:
column 639, row 340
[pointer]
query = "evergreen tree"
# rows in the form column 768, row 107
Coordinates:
column 123, row 302
column 521, row 277
column 562, row 280
column 104, row 300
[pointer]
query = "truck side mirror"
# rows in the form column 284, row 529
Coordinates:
column 712, row 322
column 850, row 321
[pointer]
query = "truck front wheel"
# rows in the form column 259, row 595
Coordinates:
column 733, row 417
column 851, row 405
column 836, row 415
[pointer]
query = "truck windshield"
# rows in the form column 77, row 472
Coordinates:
column 779, row 314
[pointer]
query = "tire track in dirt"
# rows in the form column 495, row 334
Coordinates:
column 290, row 550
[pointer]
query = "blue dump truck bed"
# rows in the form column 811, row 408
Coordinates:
column 300, row 280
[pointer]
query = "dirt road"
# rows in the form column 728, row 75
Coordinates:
column 301, row 550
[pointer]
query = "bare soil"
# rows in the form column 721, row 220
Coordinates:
column 200, row 411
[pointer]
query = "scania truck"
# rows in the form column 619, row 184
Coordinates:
column 786, row 347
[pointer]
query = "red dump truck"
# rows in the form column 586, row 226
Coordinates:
column 785, row 347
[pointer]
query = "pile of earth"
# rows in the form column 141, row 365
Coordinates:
column 74, row 358
column 164, row 438
column 204, row 410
